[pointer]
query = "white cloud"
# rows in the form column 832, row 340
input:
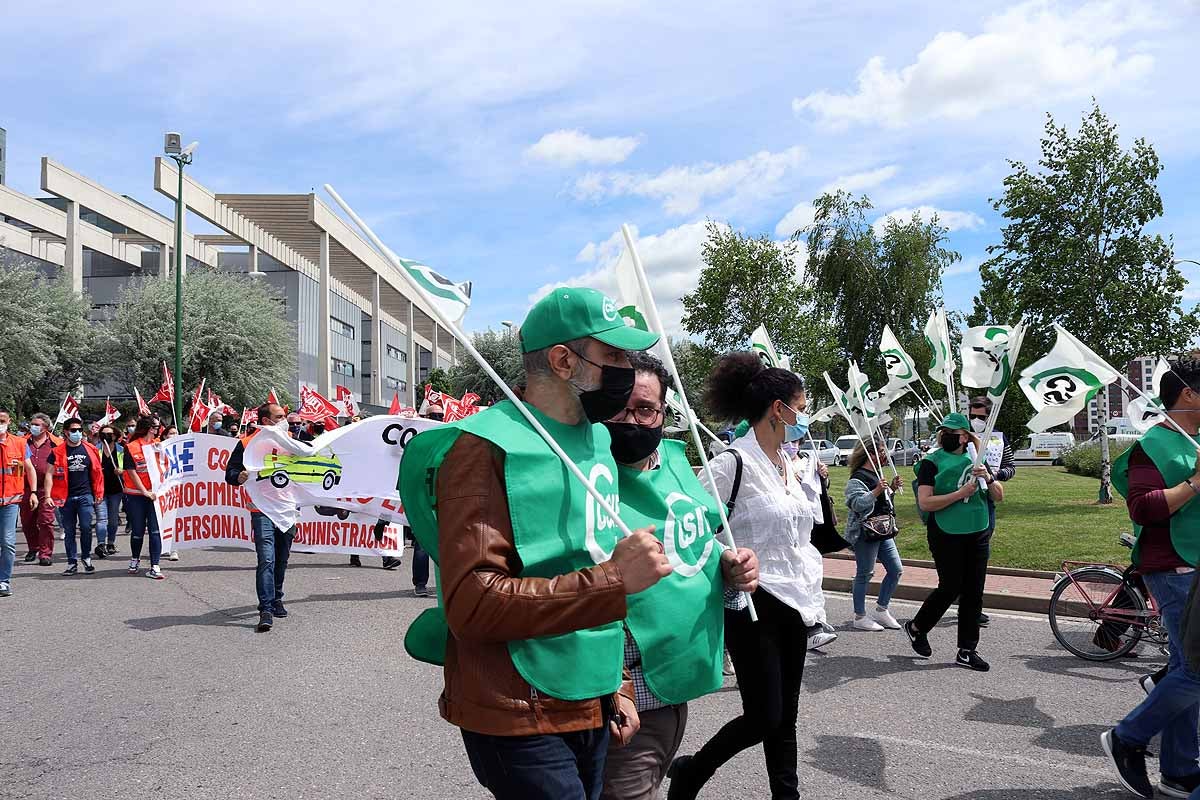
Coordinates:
column 968, row 266
column 860, row 181
column 1030, row 53
column 683, row 189
column 566, row 148
column 951, row 220
column 800, row 216
column 672, row 261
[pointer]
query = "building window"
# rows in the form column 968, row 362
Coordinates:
column 343, row 368
column 395, row 384
column 397, row 353
column 344, row 328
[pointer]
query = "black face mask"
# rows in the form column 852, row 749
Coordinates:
column 950, row 441
column 632, row 443
column 437, row 416
column 616, row 387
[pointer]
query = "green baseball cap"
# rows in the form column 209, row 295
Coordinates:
column 955, row 422
column 568, row 313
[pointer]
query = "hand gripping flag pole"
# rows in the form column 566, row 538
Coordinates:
column 465, row 341
column 655, row 323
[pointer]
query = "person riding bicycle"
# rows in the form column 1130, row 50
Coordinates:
column 1160, row 479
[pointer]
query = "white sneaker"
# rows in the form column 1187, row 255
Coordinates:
column 866, row 624
column 173, row 555
column 134, row 565
column 5, row 589
column 155, row 573
column 819, row 640
column 884, row 618
column 727, row 666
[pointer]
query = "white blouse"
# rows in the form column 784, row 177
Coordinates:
column 773, row 517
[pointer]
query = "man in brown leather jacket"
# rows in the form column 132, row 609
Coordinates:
column 523, row 743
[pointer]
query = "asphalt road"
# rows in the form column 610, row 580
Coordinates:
column 120, row 687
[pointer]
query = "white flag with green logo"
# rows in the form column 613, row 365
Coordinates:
column 987, row 353
column 822, row 415
column 901, row 368
column 452, row 299
column 1145, row 413
column 864, row 419
column 1061, row 383
column 632, row 306
column 937, row 335
column 760, row 342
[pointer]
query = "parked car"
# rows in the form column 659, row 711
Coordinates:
column 827, row 454
column 904, row 451
column 845, row 446
column 1045, row 447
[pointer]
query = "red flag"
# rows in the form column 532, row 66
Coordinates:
column 69, row 409
column 314, row 407
column 330, row 423
column 215, row 403
column 272, row 397
column 199, row 414
column 143, row 409
column 407, row 412
column 394, row 408
column 455, row 410
column 247, row 418
column 166, row 391
column 345, row 398
column 110, row 413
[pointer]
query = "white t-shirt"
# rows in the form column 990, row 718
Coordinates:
column 773, row 517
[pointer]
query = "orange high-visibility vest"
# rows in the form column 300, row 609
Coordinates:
column 133, row 449
column 58, row 492
column 12, row 470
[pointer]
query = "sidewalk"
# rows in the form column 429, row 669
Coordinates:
column 1007, row 589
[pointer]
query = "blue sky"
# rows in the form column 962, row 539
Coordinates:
column 506, row 143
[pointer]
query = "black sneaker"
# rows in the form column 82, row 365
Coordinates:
column 278, row 609
column 1179, row 787
column 88, row 567
column 919, row 641
column 390, row 562
column 1130, row 763
column 101, row 552
column 110, row 548
column 31, row 557
column 72, row 569
column 971, row 660
column 984, row 620
column 45, row 562
column 355, row 561
column 681, row 783
column 420, row 591
column 264, row 622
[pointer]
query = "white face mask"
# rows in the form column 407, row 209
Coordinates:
column 979, row 425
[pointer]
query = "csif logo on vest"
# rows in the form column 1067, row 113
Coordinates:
column 966, row 476
column 600, row 526
column 687, row 524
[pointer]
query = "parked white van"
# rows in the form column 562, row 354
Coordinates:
column 1045, row 447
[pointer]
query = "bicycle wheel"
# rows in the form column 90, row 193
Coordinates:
column 1076, row 619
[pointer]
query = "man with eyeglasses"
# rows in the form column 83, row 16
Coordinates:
column 674, row 629
column 74, row 483
column 998, row 456
column 272, row 547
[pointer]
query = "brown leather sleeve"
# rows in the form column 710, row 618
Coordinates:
column 484, row 600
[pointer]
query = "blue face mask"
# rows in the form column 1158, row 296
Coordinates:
column 216, row 426
column 74, row 437
column 36, row 430
column 796, row 432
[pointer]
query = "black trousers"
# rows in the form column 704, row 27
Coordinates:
column 961, row 560
column 768, row 657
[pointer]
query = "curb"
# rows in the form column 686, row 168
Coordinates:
column 1001, row 600
column 1011, row 572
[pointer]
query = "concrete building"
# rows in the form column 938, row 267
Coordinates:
column 358, row 324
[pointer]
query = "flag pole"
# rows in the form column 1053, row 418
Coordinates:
column 837, row 399
column 656, row 324
column 944, row 332
column 874, row 444
column 465, row 341
column 994, row 414
column 930, row 408
column 1166, row 414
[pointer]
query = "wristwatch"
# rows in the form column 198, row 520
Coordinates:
column 1195, row 489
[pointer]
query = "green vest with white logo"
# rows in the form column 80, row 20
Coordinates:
column 953, row 471
column 1175, row 458
column 557, row 528
column 678, row 623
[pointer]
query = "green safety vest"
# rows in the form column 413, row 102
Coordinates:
column 557, row 528
column 953, row 471
column 1175, row 458
column 678, row 623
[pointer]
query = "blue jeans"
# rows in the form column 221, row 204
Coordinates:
column 108, row 519
column 420, row 572
column 1173, row 708
column 564, row 766
column 77, row 512
column 143, row 518
column 866, row 554
column 272, row 546
column 8, row 539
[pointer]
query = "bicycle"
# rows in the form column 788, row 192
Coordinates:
column 1100, row 612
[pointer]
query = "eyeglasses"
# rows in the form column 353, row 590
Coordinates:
column 74, row 430
column 642, row 415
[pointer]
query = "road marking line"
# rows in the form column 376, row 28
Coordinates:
column 984, row 754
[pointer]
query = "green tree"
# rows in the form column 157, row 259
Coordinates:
column 235, row 335
column 1075, row 251
column 501, row 350
column 51, row 348
column 866, row 279
column 439, row 379
column 749, row 281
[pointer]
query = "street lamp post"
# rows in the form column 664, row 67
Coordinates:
column 182, row 156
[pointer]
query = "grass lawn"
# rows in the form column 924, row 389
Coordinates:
column 1047, row 516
